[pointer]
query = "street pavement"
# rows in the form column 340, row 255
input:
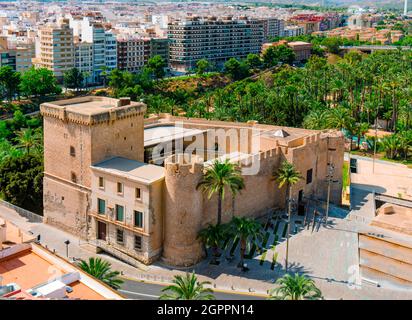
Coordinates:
column 138, row 290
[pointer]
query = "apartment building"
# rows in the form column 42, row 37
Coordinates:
column 55, row 48
column 131, row 53
column 84, row 60
column 104, row 46
column 293, row 31
column 272, row 28
column 17, row 55
column 110, row 51
column 214, row 39
column 105, row 182
column 160, row 47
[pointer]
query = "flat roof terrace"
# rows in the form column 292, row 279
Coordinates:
column 167, row 133
column 131, row 169
column 92, row 109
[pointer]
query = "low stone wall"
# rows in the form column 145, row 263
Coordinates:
column 31, row 216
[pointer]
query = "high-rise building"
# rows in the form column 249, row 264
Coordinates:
column 214, row 39
column 84, row 60
column 293, row 31
column 55, row 48
column 160, row 47
column 104, row 47
column 134, row 52
column 130, row 53
column 272, row 28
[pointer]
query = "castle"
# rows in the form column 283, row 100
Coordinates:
column 127, row 184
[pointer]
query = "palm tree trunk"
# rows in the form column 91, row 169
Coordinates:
column 242, row 252
column 219, row 208
column 289, row 192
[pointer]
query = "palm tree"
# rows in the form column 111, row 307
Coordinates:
column 212, row 236
column 248, row 230
column 27, row 139
column 86, row 75
column 338, row 118
column 219, row 176
column 287, row 175
column 362, row 129
column 391, row 145
column 101, row 270
column 297, row 287
column 187, row 288
column 316, row 119
column 104, row 73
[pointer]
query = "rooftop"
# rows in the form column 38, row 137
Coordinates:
column 131, row 169
column 92, row 109
column 29, row 271
column 165, row 133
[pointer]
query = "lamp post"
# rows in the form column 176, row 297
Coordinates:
column 67, row 242
column 290, row 201
column 376, row 139
column 331, row 170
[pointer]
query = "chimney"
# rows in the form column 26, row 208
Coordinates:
column 124, row 101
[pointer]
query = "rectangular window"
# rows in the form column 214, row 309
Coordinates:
column 119, row 187
column 101, row 205
column 101, row 182
column 72, row 151
column 119, row 212
column 74, row 177
column 137, row 193
column 138, row 219
column 309, row 176
column 119, row 236
column 138, row 243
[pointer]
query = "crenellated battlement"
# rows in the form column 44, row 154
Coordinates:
column 92, row 110
column 184, row 164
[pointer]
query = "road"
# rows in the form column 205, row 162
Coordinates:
column 150, row 291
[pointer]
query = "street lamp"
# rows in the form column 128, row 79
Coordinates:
column 290, row 201
column 67, row 242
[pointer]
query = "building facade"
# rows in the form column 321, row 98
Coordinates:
column 293, row 31
column 131, row 53
column 272, row 28
column 55, row 48
column 104, row 48
column 214, row 39
column 128, row 185
column 83, row 61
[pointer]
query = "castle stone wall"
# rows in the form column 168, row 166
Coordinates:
column 183, row 211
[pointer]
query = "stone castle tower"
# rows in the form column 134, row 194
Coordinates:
column 184, row 208
column 78, row 133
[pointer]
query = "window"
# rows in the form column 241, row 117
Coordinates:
column 137, row 193
column 101, row 182
column 101, row 206
column 309, row 176
column 138, row 243
column 138, row 219
column 119, row 212
column 119, row 187
column 119, row 236
column 73, row 177
column 72, row 151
